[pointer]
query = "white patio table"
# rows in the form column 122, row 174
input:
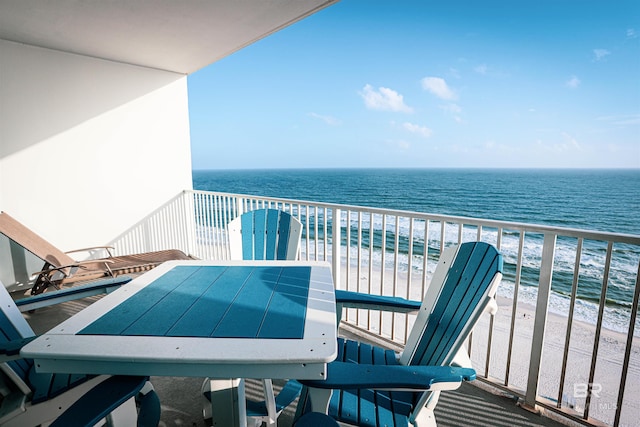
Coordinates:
column 226, row 319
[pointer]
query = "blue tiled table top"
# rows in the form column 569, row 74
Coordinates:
column 219, row 319
column 214, row 301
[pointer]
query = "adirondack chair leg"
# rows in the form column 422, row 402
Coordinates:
column 433, row 400
column 124, row 415
column 425, row 417
column 228, row 405
column 312, row 400
column 270, row 401
column 149, row 407
column 319, row 399
column 338, row 313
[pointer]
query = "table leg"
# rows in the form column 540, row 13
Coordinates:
column 228, row 404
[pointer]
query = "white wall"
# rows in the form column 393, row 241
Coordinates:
column 88, row 147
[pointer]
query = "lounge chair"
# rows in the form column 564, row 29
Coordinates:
column 29, row 398
column 61, row 269
column 359, row 384
column 262, row 234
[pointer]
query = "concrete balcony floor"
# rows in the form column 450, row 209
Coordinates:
column 470, row 405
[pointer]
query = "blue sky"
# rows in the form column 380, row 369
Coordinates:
column 372, row 83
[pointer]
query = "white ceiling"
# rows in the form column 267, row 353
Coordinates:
column 175, row 35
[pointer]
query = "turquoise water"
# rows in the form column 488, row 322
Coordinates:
column 601, row 200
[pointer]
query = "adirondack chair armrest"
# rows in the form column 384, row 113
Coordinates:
column 349, row 299
column 345, row 375
column 46, row 299
column 10, row 350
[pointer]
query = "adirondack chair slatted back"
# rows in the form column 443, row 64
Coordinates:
column 264, row 234
column 13, row 326
column 469, row 285
column 40, row 386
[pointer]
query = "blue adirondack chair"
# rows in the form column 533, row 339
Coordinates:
column 263, row 234
column 30, row 398
column 462, row 288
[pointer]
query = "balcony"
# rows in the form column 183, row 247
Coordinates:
column 550, row 348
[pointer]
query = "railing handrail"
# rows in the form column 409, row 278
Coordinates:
column 632, row 239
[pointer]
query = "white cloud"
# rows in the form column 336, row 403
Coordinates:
column 622, row 120
column 503, row 149
column 631, row 33
column 567, row 144
column 600, row 54
column 331, row 121
column 452, row 108
column 571, row 142
column 422, row 131
column 438, row 87
column 573, row 82
column 481, row 69
column 384, row 99
column 400, row 144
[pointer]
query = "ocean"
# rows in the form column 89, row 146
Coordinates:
column 598, row 200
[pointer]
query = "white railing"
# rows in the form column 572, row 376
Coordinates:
column 553, row 342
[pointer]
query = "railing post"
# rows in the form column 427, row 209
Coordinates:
column 239, row 206
column 335, row 247
column 542, row 305
column 189, row 202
